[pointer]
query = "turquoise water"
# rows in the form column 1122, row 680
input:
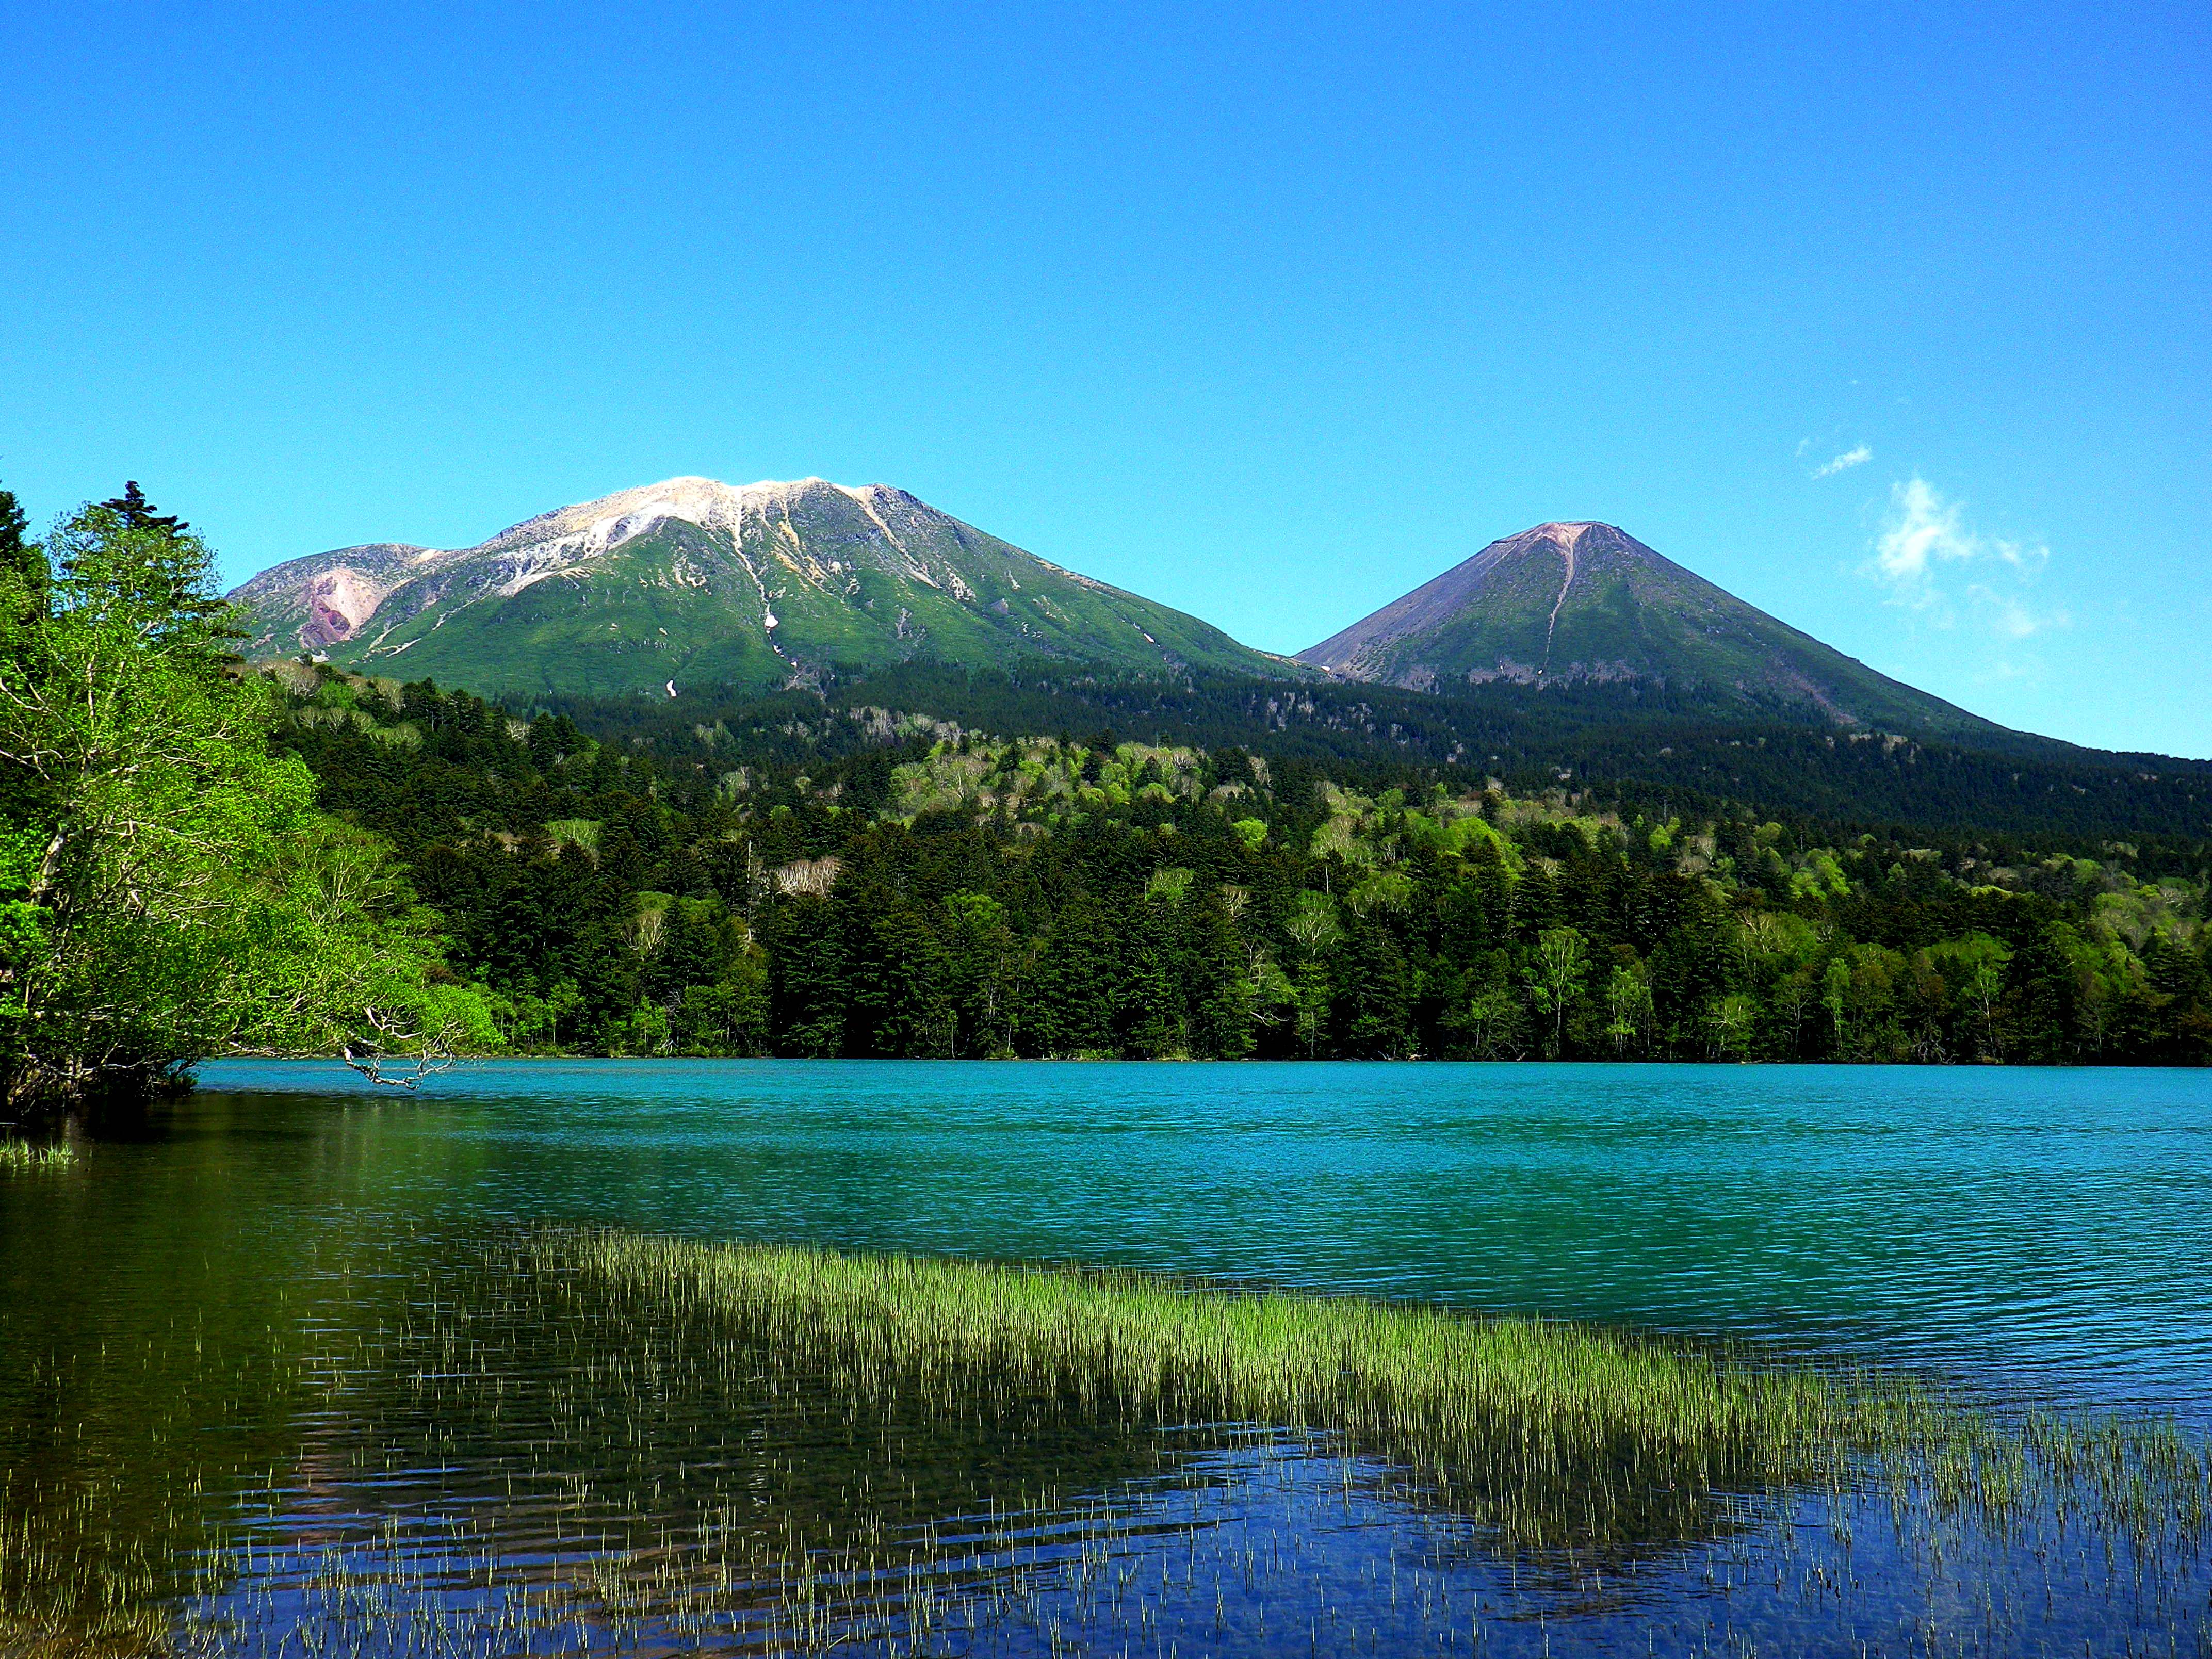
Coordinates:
column 252, row 1313
column 2035, row 1231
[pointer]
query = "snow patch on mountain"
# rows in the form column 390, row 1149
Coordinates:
column 807, row 570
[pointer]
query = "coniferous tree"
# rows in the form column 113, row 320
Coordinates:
column 973, row 895
column 22, row 559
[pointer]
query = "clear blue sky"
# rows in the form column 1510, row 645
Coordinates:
column 1268, row 313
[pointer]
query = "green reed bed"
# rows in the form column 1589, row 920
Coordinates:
column 603, row 1443
column 1597, row 1421
column 20, row 1157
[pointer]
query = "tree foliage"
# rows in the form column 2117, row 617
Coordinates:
column 171, row 890
column 855, row 881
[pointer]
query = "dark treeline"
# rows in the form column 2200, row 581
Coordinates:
column 1651, row 743
column 812, row 875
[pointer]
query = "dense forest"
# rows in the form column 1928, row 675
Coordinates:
column 1674, row 742
column 1308, row 872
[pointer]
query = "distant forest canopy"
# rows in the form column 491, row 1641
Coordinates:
column 1638, row 740
column 929, row 863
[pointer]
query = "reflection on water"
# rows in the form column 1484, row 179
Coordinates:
column 282, row 1373
column 484, row 1457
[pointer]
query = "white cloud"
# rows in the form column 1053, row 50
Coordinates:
column 1858, row 456
column 2009, row 616
column 1922, row 532
column 1925, row 535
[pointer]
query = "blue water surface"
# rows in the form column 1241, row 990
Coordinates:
column 2026, row 1234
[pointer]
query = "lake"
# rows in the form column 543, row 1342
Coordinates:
column 275, row 1367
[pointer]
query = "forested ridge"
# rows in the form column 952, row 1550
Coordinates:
column 932, row 864
column 1682, row 743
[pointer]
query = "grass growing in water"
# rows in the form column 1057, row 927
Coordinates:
column 22, row 1156
column 1554, row 1431
column 564, row 1442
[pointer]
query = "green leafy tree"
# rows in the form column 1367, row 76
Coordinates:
column 1836, row 997
column 2040, row 996
column 900, row 1008
column 1974, row 968
column 730, row 1017
column 1730, row 1021
column 1555, row 977
column 1494, row 1017
column 1152, row 1022
column 1236, row 988
column 1312, row 927
column 171, row 892
column 982, row 951
column 1145, row 912
column 1078, row 986
column 1628, row 1007
column 1859, row 991
column 809, row 983
column 2181, row 994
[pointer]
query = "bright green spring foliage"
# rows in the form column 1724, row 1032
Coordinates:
column 168, row 889
column 813, row 880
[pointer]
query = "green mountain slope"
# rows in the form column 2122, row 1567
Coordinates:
column 693, row 583
column 1568, row 602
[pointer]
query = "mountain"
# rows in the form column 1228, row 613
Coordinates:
column 1564, row 603
column 691, row 582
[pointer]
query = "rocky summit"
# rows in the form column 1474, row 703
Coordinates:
column 1568, row 602
column 691, row 582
